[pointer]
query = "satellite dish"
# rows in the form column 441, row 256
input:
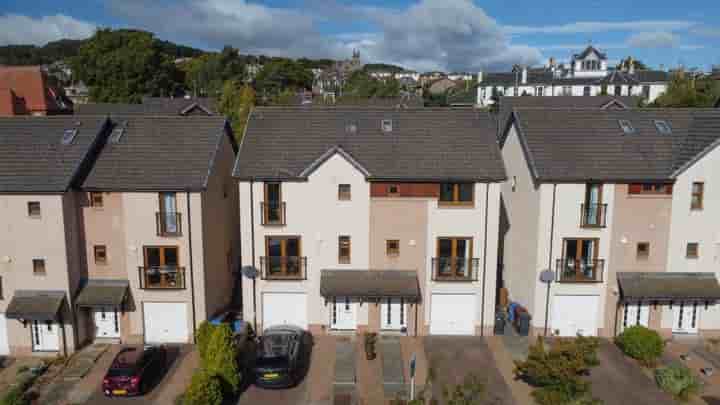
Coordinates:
column 547, row 276
column 250, row 272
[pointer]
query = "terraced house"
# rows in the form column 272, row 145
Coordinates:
column 376, row 219
column 121, row 230
column 614, row 205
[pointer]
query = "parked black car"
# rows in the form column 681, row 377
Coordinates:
column 134, row 370
column 283, row 356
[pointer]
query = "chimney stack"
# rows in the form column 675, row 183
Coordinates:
column 524, row 75
column 631, row 65
column 480, row 77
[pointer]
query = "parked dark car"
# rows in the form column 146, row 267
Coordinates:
column 134, row 370
column 283, row 356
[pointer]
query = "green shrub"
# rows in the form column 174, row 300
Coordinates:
column 556, row 373
column 221, row 358
column 642, row 344
column 204, row 389
column 678, row 381
column 202, row 337
column 470, row 392
column 15, row 396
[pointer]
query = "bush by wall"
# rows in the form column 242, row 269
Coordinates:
column 678, row 381
column 642, row 344
column 205, row 389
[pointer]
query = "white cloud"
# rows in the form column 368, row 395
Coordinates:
column 657, row 39
column 602, row 26
column 706, row 31
column 20, row 29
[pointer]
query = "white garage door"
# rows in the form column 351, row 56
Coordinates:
column 285, row 309
column 4, row 348
column 166, row 322
column 575, row 314
column 452, row 314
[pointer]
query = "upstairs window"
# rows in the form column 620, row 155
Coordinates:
column 643, row 250
column 344, row 193
column 100, row 253
column 456, row 193
column 692, row 251
column 393, row 190
column 96, row 200
column 696, row 200
column 392, row 247
column 650, row 188
column 38, row 267
column 586, row 91
column 344, row 250
column 33, row 209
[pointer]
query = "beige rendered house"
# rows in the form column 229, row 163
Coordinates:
column 160, row 229
column 358, row 218
column 601, row 200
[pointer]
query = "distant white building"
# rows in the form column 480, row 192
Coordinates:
column 587, row 74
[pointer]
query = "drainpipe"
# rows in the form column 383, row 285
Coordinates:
column 482, row 304
column 552, row 232
column 192, row 272
column 252, row 248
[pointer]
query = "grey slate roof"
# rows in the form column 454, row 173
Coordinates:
column 426, row 144
column 152, row 106
column 33, row 158
column 369, row 284
column 159, row 153
column 636, row 286
column 567, row 145
column 546, row 78
column 587, row 51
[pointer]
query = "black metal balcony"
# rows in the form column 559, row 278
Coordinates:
column 593, row 215
column 283, row 267
column 580, row 270
column 162, row 278
column 273, row 213
column 168, row 223
column 454, row 269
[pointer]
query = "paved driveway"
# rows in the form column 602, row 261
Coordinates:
column 451, row 358
column 619, row 380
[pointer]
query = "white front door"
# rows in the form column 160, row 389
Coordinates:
column 166, row 322
column 636, row 314
column 4, row 347
column 285, row 309
column 344, row 314
column 685, row 317
column 107, row 324
column 452, row 314
column 45, row 336
column 393, row 314
column 574, row 315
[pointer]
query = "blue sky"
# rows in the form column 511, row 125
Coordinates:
column 419, row 34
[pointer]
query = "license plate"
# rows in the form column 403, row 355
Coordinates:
column 270, row 376
column 119, row 392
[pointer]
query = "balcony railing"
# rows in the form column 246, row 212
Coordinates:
column 454, row 269
column 273, row 213
column 162, row 278
column 283, row 267
column 593, row 215
column 580, row 270
column 168, row 223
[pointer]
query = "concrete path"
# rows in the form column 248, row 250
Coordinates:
column 504, row 360
column 345, row 370
column 370, row 389
column 697, row 357
column 392, row 367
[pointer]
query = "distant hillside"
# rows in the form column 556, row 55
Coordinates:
column 383, row 67
column 66, row 48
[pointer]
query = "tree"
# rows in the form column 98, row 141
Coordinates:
column 124, row 66
column 278, row 75
column 685, row 91
column 219, row 354
column 235, row 103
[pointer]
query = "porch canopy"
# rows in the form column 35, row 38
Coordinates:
column 28, row 305
column 369, row 285
column 103, row 293
column 663, row 287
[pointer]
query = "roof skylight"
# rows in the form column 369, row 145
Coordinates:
column 626, row 126
column 663, row 127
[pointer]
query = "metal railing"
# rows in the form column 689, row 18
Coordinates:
column 283, row 267
column 580, row 270
column 162, row 278
column 593, row 215
column 168, row 223
column 449, row 268
column 273, row 213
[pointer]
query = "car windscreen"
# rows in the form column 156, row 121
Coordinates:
column 276, row 345
column 121, row 372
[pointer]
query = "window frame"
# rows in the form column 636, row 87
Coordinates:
column 344, row 259
column 640, row 253
column 392, row 193
column 390, row 251
column 456, row 195
column 94, row 202
column 700, row 195
column 30, row 210
column 37, row 262
column 344, row 195
column 693, row 253
column 100, row 250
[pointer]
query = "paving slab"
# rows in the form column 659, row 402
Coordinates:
column 505, row 360
column 369, row 378
column 392, row 366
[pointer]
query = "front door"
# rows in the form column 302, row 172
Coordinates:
column 393, row 314
column 344, row 314
column 636, row 314
column 107, row 324
column 685, row 318
column 45, row 336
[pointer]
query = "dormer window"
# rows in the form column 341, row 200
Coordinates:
column 351, row 128
column 626, row 127
column 386, row 125
column 663, row 127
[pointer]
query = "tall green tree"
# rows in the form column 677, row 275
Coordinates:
column 235, row 103
column 686, row 91
column 125, row 65
column 281, row 74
